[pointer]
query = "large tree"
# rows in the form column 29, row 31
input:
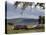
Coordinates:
column 26, row 4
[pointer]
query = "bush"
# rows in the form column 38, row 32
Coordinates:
column 10, row 23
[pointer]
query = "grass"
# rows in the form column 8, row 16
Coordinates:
column 10, row 30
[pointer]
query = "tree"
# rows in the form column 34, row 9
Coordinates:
column 25, row 4
column 41, row 19
column 16, row 4
column 41, row 5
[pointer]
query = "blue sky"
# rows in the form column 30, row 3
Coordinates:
column 13, row 12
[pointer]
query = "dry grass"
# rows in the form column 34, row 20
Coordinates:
column 12, row 31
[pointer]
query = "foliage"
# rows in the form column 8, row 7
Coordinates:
column 42, row 19
column 10, row 23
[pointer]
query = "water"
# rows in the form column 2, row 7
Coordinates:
column 23, row 21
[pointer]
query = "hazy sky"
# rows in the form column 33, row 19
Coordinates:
column 13, row 12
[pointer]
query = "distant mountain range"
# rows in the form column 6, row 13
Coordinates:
column 22, row 20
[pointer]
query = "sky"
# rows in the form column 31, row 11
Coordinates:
column 29, row 12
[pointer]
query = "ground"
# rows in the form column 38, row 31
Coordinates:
column 10, row 30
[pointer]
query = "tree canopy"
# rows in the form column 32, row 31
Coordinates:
column 25, row 4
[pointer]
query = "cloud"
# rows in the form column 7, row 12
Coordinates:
column 11, row 1
column 29, row 12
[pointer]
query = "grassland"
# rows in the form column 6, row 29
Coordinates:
column 10, row 30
